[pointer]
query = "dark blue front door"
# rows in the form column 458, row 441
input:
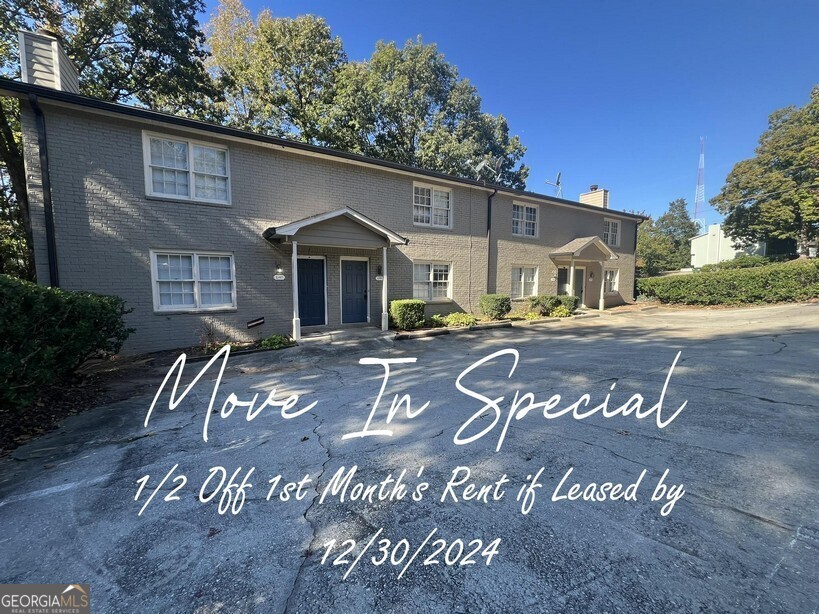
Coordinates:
column 311, row 292
column 353, row 291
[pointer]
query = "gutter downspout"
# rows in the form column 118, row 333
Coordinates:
column 489, row 238
column 45, row 178
column 636, row 230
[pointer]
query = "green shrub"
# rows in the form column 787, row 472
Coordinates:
column 789, row 281
column 744, row 261
column 532, row 315
column 495, row 306
column 569, row 302
column 561, row 311
column 46, row 333
column 408, row 313
column 276, row 342
column 435, row 321
column 459, row 319
column 544, row 303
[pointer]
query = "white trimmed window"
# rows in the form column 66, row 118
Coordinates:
column 610, row 279
column 188, row 170
column 524, row 221
column 524, row 282
column 189, row 281
column 431, row 281
column 431, row 206
column 611, row 232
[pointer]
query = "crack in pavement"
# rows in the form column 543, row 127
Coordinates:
column 719, row 504
column 313, row 526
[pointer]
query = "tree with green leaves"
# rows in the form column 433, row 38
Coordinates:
column 410, row 106
column 775, row 194
column 664, row 244
column 277, row 75
column 147, row 52
column 655, row 250
column 291, row 78
column 677, row 225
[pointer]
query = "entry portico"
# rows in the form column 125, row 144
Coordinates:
column 586, row 254
column 343, row 232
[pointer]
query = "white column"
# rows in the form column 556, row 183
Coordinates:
column 602, row 303
column 385, row 318
column 295, row 284
column 571, row 278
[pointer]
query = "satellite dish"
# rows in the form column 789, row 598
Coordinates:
column 488, row 164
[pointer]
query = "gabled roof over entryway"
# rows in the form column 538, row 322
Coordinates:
column 585, row 248
column 343, row 228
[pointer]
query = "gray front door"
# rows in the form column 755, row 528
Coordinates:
column 579, row 282
column 353, row 291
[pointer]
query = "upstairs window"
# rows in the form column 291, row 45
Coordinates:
column 431, row 281
column 524, row 221
column 431, row 206
column 524, row 282
column 611, row 232
column 188, row 170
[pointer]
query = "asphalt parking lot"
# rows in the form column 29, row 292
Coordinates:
column 742, row 537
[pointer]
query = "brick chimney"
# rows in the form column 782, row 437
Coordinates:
column 44, row 62
column 595, row 197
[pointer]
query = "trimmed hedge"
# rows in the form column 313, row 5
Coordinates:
column 408, row 313
column 545, row 304
column 745, row 261
column 569, row 302
column 789, row 281
column 46, row 333
column 495, row 306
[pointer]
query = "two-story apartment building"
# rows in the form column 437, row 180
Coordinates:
column 192, row 222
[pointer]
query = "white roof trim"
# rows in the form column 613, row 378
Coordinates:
column 290, row 229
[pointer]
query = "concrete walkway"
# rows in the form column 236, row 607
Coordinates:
column 743, row 537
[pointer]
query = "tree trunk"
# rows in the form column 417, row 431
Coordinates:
column 804, row 229
column 11, row 156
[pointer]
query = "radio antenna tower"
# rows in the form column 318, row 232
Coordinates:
column 699, row 196
column 556, row 185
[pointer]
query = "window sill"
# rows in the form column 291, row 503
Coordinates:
column 530, row 237
column 174, row 312
column 187, row 201
column 432, row 227
column 436, row 300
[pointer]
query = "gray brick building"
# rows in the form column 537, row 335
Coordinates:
column 198, row 225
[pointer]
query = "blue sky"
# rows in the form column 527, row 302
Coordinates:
column 613, row 93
